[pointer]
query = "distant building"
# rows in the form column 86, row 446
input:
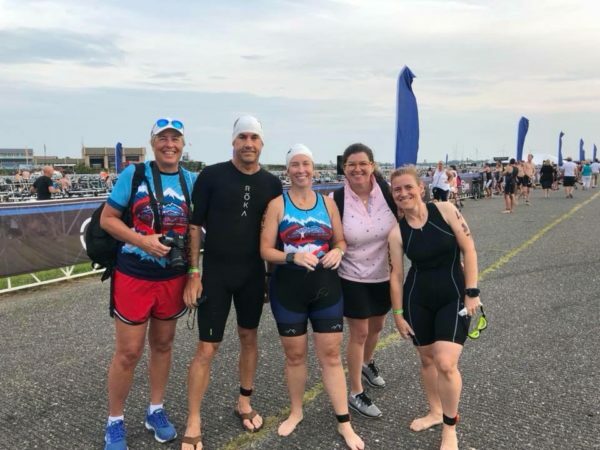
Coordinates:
column 15, row 158
column 99, row 157
column 39, row 161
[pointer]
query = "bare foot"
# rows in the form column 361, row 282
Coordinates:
column 449, row 439
column 423, row 423
column 353, row 440
column 288, row 426
column 192, row 431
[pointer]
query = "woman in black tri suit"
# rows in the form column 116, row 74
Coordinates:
column 433, row 236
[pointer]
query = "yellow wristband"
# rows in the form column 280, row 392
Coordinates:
column 398, row 312
column 193, row 270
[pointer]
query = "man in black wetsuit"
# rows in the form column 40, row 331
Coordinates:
column 229, row 200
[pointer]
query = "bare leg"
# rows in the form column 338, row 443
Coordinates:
column 327, row 346
column 446, row 355
column 295, row 349
column 359, row 329
column 507, row 205
column 160, row 338
column 129, row 346
column 375, row 326
column 198, row 378
column 247, row 366
column 429, row 378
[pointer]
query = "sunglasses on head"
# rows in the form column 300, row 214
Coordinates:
column 480, row 325
column 177, row 124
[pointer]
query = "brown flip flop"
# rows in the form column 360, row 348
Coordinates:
column 192, row 440
column 248, row 416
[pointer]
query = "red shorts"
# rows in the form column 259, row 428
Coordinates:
column 134, row 301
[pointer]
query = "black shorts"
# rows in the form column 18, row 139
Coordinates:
column 509, row 188
column 298, row 296
column 364, row 300
column 432, row 299
column 440, row 194
column 568, row 181
column 244, row 284
column 526, row 181
column 520, row 181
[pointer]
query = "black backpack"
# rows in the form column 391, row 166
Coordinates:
column 100, row 246
column 338, row 196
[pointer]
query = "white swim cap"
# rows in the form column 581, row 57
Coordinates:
column 247, row 124
column 298, row 149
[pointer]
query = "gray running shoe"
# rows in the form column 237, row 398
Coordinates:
column 371, row 373
column 363, row 405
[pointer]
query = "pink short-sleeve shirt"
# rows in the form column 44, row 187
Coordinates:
column 366, row 229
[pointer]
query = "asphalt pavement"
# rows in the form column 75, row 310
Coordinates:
column 530, row 382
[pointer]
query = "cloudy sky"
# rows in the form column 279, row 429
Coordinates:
column 321, row 72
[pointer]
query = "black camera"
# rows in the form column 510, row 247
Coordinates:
column 177, row 254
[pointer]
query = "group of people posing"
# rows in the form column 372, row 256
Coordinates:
column 325, row 258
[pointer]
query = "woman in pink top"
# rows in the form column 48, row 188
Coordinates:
column 364, row 271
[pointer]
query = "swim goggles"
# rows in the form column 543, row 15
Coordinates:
column 480, row 325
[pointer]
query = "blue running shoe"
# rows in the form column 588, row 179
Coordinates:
column 115, row 436
column 164, row 431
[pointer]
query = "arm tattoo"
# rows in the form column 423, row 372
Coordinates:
column 465, row 229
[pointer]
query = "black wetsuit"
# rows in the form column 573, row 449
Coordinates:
column 546, row 176
column 230, row 205
column 434, row 287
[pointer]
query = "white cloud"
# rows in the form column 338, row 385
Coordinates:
column 471, row 58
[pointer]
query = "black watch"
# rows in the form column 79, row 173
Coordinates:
column 289, row 258
column 472, row 292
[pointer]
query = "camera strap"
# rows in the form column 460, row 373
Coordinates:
column 153, row 203
column 157, row 201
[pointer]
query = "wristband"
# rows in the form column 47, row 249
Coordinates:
column 341, row 251
column 398, row 312
column 472, row 292
column 192, row 269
